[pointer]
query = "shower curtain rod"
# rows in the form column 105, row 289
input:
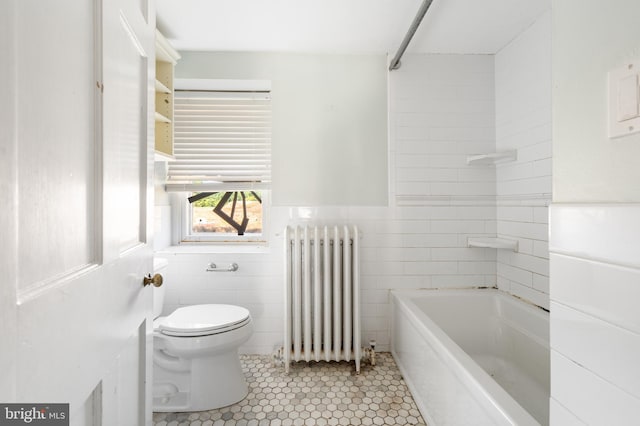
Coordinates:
column 395, row 62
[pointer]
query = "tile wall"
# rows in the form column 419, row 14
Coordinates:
column 595, row 321
column 523, row 123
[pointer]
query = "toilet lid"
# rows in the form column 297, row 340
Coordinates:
column 200, row 320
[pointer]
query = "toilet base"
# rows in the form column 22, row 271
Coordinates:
column 199, row 384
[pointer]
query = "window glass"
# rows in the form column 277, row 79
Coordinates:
column 227, row 213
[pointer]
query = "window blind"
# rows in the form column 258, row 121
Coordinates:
column 222, row 141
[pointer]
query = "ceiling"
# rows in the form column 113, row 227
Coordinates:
column 344, row 26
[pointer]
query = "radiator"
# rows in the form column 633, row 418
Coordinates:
column 322, row 296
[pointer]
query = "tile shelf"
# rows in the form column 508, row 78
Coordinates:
column 493, row 158
column 497, row 243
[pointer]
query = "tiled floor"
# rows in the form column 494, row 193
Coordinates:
column 312, row 394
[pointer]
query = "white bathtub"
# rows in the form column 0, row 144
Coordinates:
column 473, row 357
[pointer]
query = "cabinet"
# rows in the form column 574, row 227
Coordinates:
column 166, row 59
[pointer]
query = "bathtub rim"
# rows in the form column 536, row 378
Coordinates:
column 470, row 374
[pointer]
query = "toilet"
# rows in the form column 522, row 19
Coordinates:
column 195, row 355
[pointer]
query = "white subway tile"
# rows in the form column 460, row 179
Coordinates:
column 533, row 231
column 462, row 134
column 446, row 160
column 477, row 268
column 404, row 254
column 559, row 415
column 595, row 288
column 542, row 167
column 541, row 249
column 516, row 275
column 458, row 281
column 459, row 226
column 606, row 232
column 422, row 174
column 430, row 268
column 425, row 146
column 443, row 212
column 533, row 185
column 431, row 240
column 477, row 174
column 528, row 293
column 515, row 214
column 463, row 188
column 476, row 212
column 411, row 188
column 530, row 263
column 541, row 215
column 503, row 283
column 527, row 246
column 588, row 396
column 469, row 254
column 541, row 283
column 535, row 152
column 517, row 171
column 609, row 351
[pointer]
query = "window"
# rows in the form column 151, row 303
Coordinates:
column 222, row 167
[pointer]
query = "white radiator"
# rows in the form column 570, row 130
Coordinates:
column 322, row 296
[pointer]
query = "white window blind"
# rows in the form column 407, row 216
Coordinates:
column 222, row 141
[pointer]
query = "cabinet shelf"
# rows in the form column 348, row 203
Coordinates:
column 492, row 158
column 497, row 243
column 161, row 118
column 161, row 156
column 161, row 88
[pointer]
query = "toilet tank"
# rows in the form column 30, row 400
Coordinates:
column 159, row 267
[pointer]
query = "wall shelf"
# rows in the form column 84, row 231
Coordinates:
column 492, row 158
column 497, row 243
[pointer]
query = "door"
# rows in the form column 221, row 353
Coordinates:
column 76, row 196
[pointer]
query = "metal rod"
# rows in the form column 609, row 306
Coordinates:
column 395, row 62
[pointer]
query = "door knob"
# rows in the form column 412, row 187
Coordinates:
column 156, row 280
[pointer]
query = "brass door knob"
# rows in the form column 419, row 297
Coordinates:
column 156, row 280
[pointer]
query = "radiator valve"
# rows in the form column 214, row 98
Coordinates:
column 370, row 352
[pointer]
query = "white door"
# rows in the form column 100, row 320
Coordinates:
column 76, row 197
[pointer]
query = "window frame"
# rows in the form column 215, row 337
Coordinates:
column 186, row 236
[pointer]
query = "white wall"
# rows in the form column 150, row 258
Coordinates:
column 595, row 272
column 523, row 123
column 329, row 126
column 441, row 110
column 586, row 45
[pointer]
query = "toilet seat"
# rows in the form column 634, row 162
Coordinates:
column 203, row 320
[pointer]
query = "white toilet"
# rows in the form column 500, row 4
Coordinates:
column 195, row 356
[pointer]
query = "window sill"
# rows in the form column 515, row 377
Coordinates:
column 207, row 247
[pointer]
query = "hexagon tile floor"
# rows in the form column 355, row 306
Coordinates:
column 312, row 394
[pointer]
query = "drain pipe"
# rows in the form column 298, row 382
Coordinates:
column 395, row 62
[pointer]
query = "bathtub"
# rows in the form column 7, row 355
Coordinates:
column 472, row 357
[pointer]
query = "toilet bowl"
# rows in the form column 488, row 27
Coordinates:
column 195, row 356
